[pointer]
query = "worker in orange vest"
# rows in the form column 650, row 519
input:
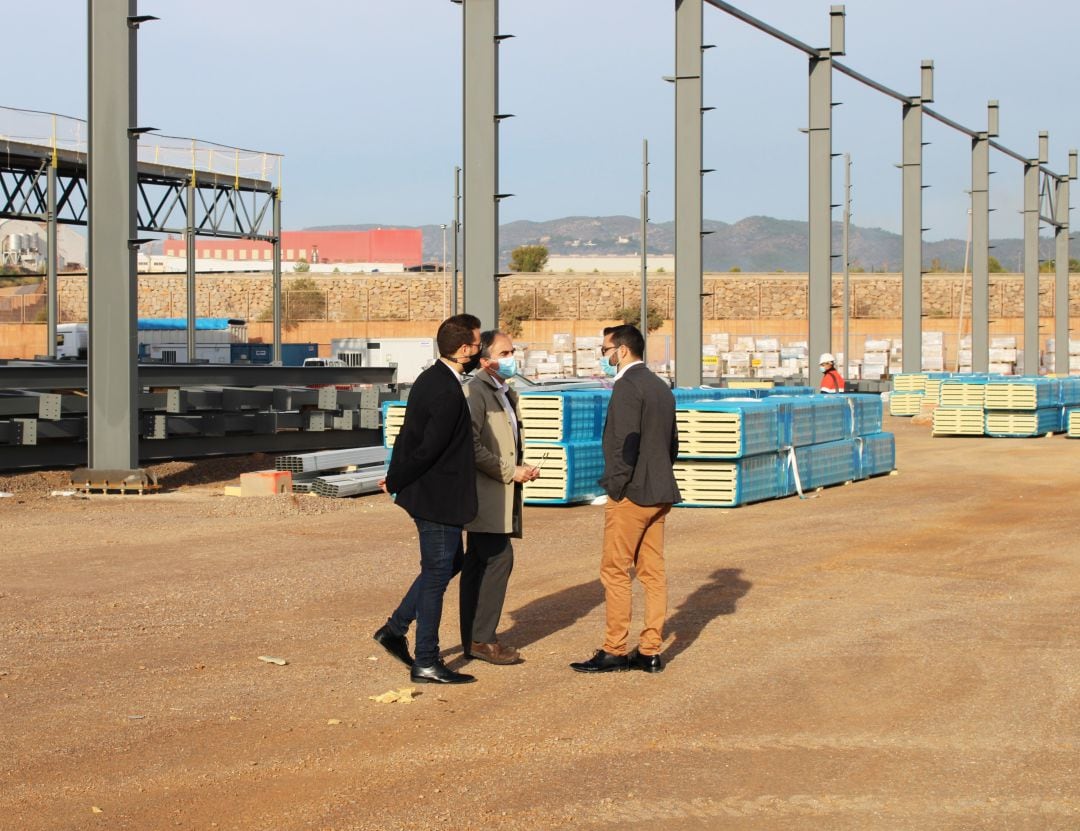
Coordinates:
column 831, row 380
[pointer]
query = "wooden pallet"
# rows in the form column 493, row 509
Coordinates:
column 958, row 421
column 1073, row 431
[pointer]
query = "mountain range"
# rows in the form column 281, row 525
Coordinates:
column 753, row 244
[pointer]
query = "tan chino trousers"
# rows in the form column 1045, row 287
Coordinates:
column 634, row 536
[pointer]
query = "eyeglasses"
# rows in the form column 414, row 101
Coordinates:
column 605, row 349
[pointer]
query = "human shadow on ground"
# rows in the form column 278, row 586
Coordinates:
column 547, row 615
column 717, row 597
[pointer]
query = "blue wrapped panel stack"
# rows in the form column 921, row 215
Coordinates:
column 1072, row 423
column 569, row 472
column 1068, row 391
column 728, row 484
column 836, row 438
column 1021, row 393
column 821, row 465
column 864, row 414
column 796, row 419
column 1024, row 423
column 393, row 416
column 727, row 429
column 876, row 454
column 563, row 416
column 691, row 395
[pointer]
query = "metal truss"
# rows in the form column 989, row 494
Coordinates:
column 231, row 207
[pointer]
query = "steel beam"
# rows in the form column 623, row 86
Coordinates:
column 1061, row 280
column 689, row 26
column 111, row 175
column 820, row 212
column 480, row 118
column 1031, row 267
column 189, row 262
column 911, row 300
column 69, row 375
column 52, row 254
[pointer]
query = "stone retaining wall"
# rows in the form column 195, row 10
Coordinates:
column 387, row 297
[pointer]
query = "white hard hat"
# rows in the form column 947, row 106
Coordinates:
column 827, row 358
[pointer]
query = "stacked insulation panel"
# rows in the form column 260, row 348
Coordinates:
column 1021, row 407
column 960, row 406
column 562, row 437
column 736, row 452
column 907, row 394
column 1004, row 406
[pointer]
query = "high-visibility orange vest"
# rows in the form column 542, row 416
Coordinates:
column 832, row 381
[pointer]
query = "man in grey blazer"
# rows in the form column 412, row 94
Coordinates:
column 641, row 443
column 489, row 554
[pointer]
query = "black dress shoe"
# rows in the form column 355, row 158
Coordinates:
column 602, row 662
column 646, row 663
column 438, row 673
column 396, row 645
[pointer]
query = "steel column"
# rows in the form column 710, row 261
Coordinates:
column 689, row 27
column 51, row 292
column 1031, row 267
column 644, row 319
column 113, row 423
column 481, row 159
column 911, row 301
column 980, row 253
column 1061, row 279
column 456, row 235
column 845, row 254
column 277, row 276
column 820, row 213
column 189, row 239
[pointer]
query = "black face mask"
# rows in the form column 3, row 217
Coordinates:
column 471, row 363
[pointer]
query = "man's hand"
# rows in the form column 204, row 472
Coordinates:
column 525, row 473
column 382, row 486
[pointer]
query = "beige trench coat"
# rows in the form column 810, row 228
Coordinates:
column 497, row 454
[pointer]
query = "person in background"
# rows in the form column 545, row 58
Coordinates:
column 641, row 443
column 500, row 476
column 831, row 379
column 432, row 474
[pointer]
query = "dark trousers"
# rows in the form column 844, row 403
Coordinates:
column 489, row 559
column 441, row 556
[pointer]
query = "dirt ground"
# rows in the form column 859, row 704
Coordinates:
column 902, row 653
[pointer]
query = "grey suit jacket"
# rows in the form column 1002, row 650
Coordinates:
column 641, row 440
column 497, row 454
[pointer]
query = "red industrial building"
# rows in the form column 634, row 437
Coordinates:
column 382, row 245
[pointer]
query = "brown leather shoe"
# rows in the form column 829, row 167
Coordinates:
column 494, row 653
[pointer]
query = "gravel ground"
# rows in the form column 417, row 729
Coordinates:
column 901, row 653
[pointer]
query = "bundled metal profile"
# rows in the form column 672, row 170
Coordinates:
column 331, row 459
column 349, row 484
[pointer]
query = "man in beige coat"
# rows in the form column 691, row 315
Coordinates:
column 489, row 554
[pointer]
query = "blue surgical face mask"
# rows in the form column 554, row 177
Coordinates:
column 610, row 364
column 507, row 367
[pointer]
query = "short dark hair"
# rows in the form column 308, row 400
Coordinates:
column 456, row 332
column 486, row 340
column 628, row 336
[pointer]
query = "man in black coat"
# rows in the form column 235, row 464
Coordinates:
column 641, row 443
column 432, row 474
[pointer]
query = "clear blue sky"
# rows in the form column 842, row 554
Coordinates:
column 363, row 99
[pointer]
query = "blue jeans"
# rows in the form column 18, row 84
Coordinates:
column 441, row 557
